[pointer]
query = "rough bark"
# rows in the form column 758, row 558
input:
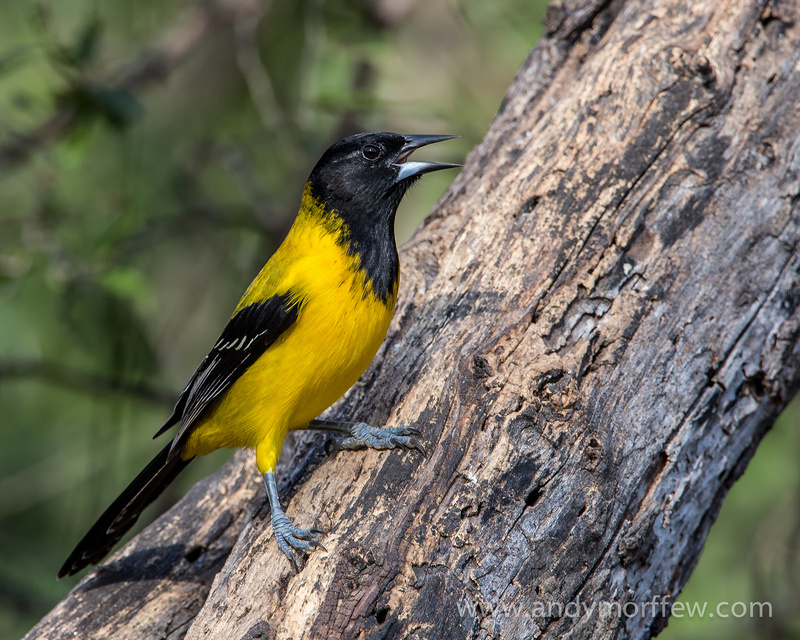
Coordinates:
column 597, row 325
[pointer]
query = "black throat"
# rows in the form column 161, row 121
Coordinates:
column 368, row 234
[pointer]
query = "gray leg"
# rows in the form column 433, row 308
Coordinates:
column 287, row 535
column 360, row 435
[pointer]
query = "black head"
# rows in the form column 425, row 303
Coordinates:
column 362, row 180
column 368, row 173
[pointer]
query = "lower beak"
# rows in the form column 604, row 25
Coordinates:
column 410, row 169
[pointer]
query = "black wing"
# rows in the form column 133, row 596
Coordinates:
column 246, row 336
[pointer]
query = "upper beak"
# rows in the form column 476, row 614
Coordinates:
column 411, row 169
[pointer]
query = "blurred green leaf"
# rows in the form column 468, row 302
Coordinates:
column 85, row 49
column 117, row 107
column 40, row 16
column 128, row 283
column 13, row 59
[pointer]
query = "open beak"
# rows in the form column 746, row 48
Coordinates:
column 411, row 169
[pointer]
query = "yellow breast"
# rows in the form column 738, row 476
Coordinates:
column 339, row 328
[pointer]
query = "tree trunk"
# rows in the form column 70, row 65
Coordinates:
column 597, row 325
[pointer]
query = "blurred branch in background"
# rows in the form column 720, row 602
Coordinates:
column 154, row 65
column 248, row 57
column 91, row 383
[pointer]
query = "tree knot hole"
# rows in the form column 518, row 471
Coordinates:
column 530, row 204
column 193, row 554
column 533, row 496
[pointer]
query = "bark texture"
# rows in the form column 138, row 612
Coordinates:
column 598, row 323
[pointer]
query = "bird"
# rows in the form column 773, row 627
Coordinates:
column 302, row 334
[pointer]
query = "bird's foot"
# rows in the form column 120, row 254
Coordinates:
column 363, row 436
column 290, row 537
column 287, row 535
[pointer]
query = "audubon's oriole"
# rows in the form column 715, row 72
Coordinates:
column 302, row 334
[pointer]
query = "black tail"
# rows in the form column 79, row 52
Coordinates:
column 125, row 510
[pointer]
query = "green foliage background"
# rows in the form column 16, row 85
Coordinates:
column 135, row 209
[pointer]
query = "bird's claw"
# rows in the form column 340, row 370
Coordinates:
column 363, row 436
column 290, row 537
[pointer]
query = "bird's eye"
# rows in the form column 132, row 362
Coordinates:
column 371, row 152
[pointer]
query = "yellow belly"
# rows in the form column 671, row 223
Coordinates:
column 339, row 328
column 296, row 379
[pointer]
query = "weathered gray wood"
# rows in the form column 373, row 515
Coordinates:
column 597, row 325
